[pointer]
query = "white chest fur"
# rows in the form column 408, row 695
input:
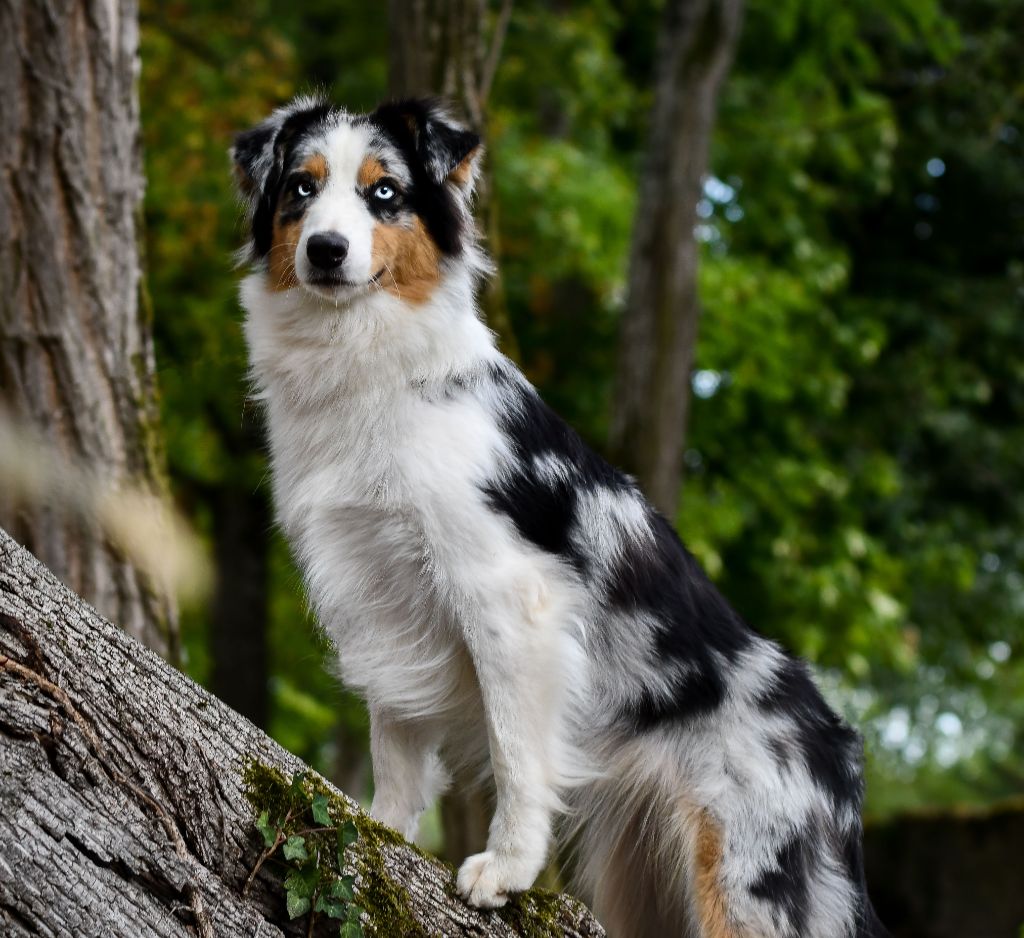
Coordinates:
column 377, row 480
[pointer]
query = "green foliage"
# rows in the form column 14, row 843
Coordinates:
column 298, row 821
column 343, row 883
column 855, row 446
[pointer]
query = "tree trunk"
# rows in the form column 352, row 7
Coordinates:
column 659, row 327
column 123, row 809
column 238, row 626
column 76, row 356
column 448, row 48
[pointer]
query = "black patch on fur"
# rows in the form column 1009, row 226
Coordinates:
column 543, row 507
column 830, row 748
column 786, row 885
column 698, row 631
column 431, row 148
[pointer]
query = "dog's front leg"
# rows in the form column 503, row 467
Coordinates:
column 407, row 773
column 516, row 678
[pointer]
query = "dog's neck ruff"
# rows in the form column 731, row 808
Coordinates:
column 304, row 346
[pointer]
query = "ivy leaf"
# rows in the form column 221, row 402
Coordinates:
column 330, row 907
column 295, row 848
column 351, row 929
column 347, row 834
column 298, row 786
column 302, row 882
column 320, row 813
column 267, row 829
column 297, row 905
column 343, row 888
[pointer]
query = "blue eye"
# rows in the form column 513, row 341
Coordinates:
column 384, row 192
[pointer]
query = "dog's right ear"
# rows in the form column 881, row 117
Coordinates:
column 253, row 155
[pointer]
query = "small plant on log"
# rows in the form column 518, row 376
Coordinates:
column 308, row 836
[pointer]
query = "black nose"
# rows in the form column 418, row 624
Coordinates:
column 327, row 250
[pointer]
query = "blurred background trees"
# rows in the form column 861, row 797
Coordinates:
column 854, row 448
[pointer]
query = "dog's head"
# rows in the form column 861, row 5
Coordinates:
column 343, row 204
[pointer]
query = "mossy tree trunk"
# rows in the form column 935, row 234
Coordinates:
column 123, row 809
column 76, row 353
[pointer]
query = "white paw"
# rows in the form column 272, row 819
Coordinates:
column 487, row 880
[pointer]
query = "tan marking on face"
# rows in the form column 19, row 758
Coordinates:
column 370, row 170
column 286, row 235
column 316, row 166
column 409, row 260
column 709, row 895
column 281, row 260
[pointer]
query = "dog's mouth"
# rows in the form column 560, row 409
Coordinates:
column 326, row 283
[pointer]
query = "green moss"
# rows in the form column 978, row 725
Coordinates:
column 386, row 903
column 536, row 913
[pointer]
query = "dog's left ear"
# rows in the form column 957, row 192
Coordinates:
column 447, row 151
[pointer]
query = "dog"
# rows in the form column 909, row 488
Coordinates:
column 499, row 594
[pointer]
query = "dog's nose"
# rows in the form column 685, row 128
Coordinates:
column 327, row 250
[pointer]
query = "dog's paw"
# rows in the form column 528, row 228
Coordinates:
column 487, row 880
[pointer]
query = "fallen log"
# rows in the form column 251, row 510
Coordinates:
column 133, row 802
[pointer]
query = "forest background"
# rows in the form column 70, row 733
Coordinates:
column 851, row 469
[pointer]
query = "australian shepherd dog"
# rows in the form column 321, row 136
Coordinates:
column 500, row 595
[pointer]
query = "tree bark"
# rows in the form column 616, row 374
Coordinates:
column 449, row 48
column 659, row 327
column 122, row 809
column 76, row 355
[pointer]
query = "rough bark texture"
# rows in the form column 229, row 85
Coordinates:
column 122, row 809
column 76, row 357
column 659, row 328
column 452, row 48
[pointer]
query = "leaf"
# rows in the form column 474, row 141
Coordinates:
column 343, row 888
column 303, row 882
column 295, row 848
column 320, row 813
column 332, row 908
column 347, row 834
column 298, row 786
column 351, row 929
column 268, row 830
column 297, row 905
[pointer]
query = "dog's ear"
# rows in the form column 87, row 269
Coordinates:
column 257, row 152
column 447, row 151
column 253, row 155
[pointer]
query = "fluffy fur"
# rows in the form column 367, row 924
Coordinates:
column 500, row 595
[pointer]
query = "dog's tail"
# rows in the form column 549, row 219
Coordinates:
column 637, row 848
column 654, row 863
